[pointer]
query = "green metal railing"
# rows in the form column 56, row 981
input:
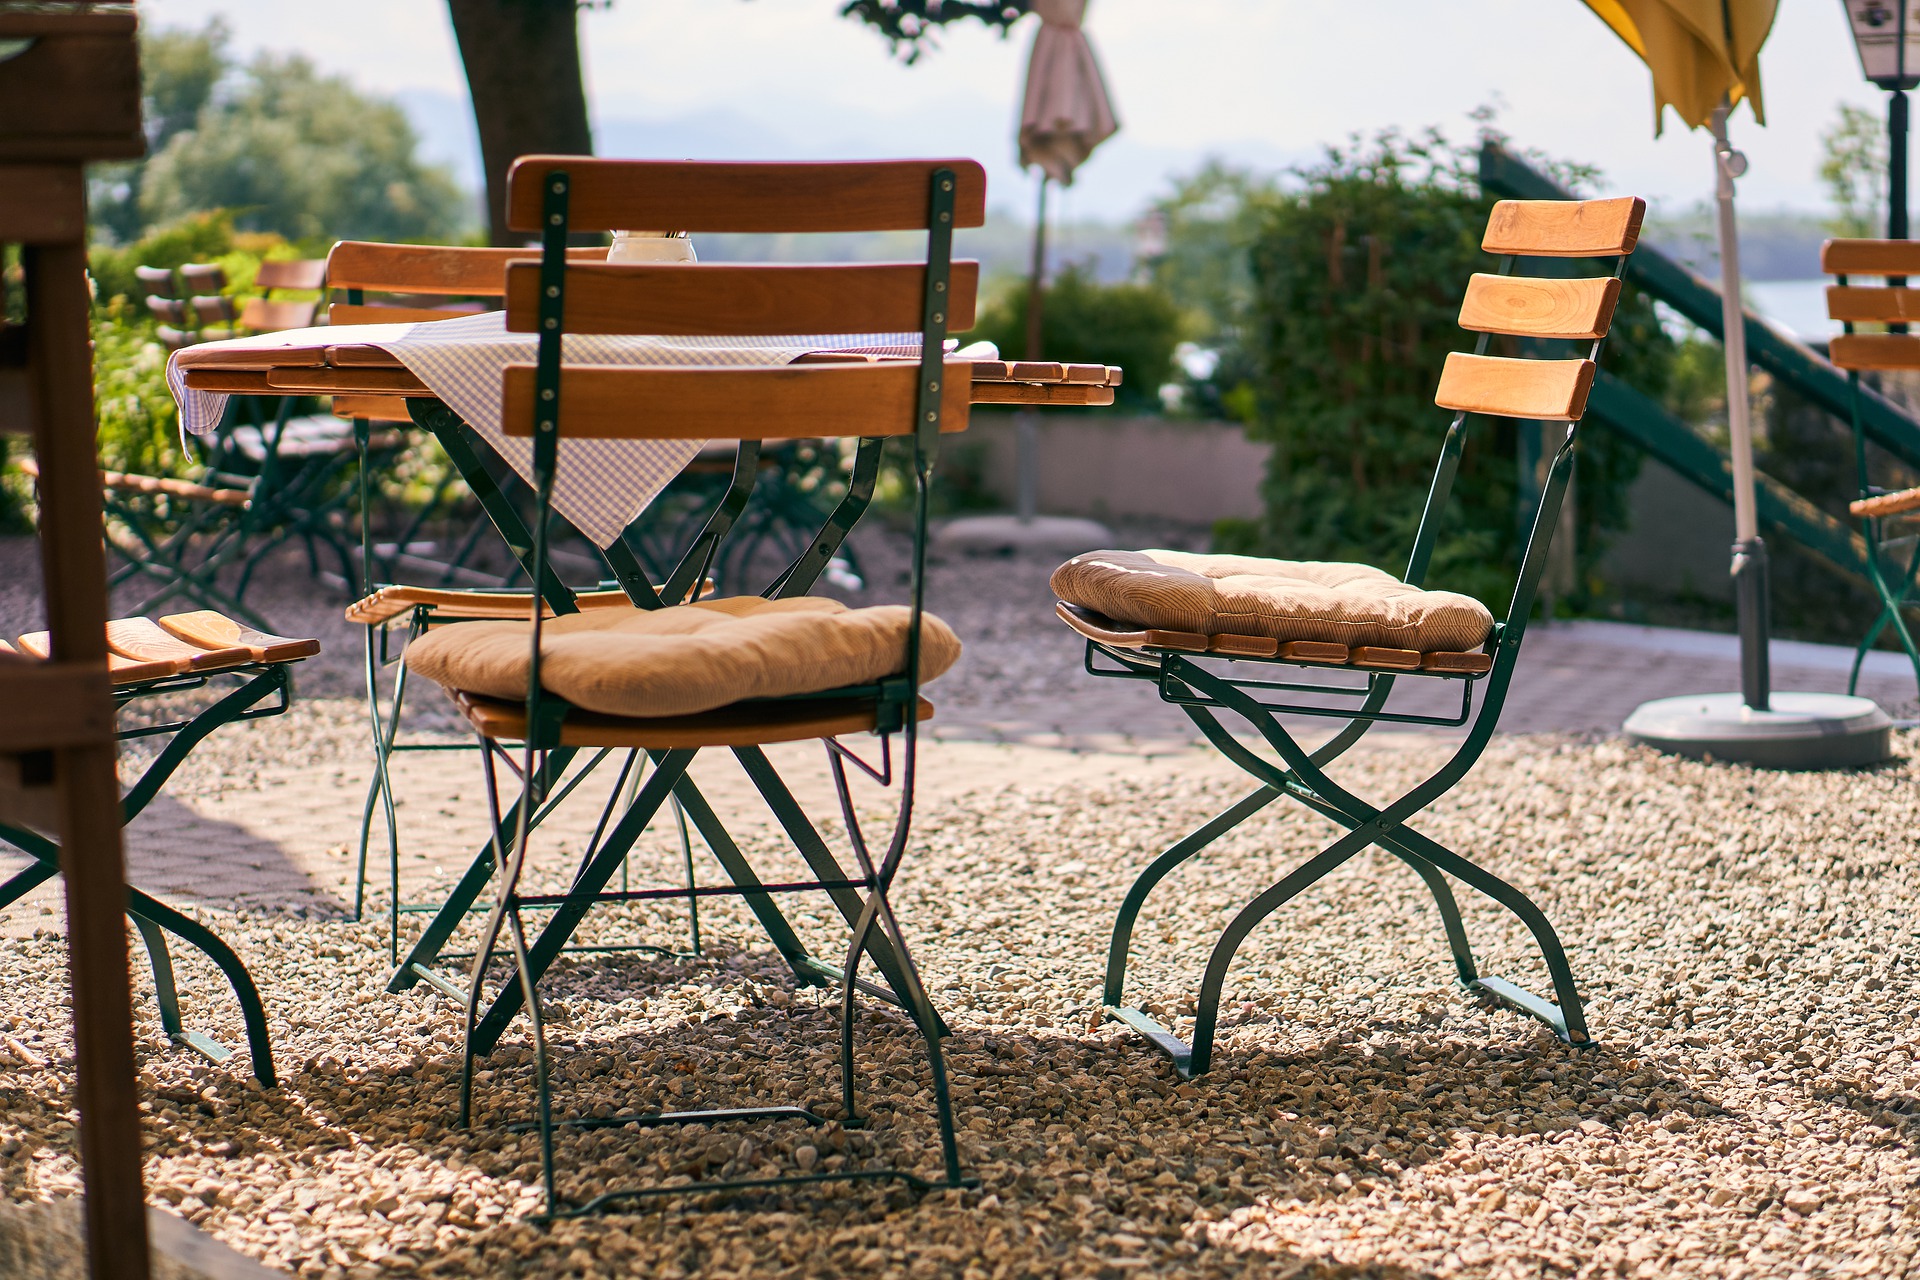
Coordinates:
column 1689, row 452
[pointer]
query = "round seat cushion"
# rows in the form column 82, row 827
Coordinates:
column 688, row 658
column 1350, row 604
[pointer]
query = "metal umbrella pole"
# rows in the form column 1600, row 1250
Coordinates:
column 1756, row 725
column 1749, row 549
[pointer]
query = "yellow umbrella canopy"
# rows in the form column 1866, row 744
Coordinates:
column 1698, row 51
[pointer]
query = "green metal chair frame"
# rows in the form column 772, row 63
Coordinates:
column 1203, row 684
column 257, row 487
column 893, row 702
column 1893, row 305
column 262, row 688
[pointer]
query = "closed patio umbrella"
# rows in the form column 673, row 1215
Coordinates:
column 1066, row 114
column 1705, row 59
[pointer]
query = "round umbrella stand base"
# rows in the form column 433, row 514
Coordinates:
column 1798, row 731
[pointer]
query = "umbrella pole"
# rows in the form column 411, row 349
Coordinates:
column 1026, row 424
column 1749, row 550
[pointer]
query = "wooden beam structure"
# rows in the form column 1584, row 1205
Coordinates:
column 70, row 94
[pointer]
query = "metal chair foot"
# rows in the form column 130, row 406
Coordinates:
column 204, row 1045
column 1156, row 1035
column 1520, row 1000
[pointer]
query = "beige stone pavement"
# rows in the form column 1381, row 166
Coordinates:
column 266, row 816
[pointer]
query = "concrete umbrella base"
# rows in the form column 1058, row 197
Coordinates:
column 1798, row 731
column 1059, row 535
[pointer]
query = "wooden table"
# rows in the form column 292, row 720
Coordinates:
column 367, row 377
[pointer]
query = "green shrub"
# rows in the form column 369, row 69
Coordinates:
column 1134, row 326
column 1357, row 272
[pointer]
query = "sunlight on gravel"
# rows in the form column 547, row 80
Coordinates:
column 1743, row 939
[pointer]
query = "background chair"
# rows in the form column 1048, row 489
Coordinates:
column 1192, row 624
column 742, row 672
column 267, row 477
column 161, row 660
column 1892, row 562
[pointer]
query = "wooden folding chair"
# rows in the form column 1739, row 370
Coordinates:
column 648, row 680
column 1893, row 304
column 1191, row 624
column 160, row 660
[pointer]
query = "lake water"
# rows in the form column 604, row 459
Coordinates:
column 1798, row 306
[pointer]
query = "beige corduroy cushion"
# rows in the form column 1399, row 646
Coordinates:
column 1350, row 604
column 688, row 658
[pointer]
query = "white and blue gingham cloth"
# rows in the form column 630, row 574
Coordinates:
column 601, row 485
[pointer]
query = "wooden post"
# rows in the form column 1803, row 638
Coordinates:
column 69, row 93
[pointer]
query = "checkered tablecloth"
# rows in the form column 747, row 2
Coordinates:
column 601, row 485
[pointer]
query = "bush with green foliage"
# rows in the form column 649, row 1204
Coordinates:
column 1135, row 326
column 1357, row 269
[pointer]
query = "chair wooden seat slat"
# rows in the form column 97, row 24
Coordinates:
column 392, row 602
column 739, row 725
column 1308, row 652
column 1882, row 505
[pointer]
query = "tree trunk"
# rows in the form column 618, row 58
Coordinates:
column 522, row 59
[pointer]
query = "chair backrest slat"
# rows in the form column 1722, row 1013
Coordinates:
column 713, row 299
column 203, row 277
column 158, row 281
column 306, row 273
column 714, row 196
column 1859, row 304
column 372, row 313
column 1565, row 228
column 436, row 269
column 1864, row 352
column 269, row 315
column 1535, row 307
column 1550, row 390
column 1870, row 258
column 700, row 403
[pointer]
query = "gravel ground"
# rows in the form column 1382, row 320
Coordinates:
column 1743, row 939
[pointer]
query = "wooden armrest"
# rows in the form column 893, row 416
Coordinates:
column 127, row 482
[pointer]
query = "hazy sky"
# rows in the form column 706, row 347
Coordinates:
column 1259, row 81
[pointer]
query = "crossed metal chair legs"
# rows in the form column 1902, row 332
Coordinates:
column 153, row 918
column 874, row 914
column 1301, row 775
column 1895, row 590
